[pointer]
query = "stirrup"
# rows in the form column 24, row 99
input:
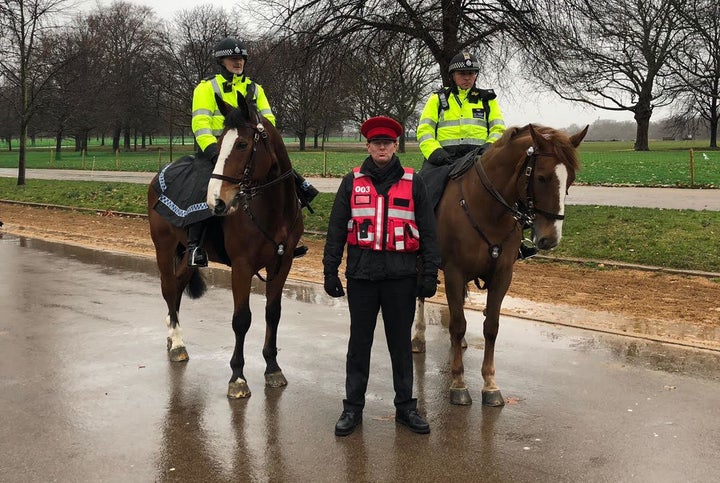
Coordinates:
column 197, row 257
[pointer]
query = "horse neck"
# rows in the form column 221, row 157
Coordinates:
column 502, row 172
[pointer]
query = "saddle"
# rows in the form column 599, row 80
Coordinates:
column 464, row 163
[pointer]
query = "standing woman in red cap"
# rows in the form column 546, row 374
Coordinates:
column 383, row 214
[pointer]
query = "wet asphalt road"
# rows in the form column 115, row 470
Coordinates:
column 670, row 198
column 87, row 392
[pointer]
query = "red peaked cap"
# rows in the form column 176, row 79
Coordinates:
column 381, row 127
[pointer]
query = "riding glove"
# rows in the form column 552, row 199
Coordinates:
column 211, row 153
column 427, row 286
column 333, row 286
column 440, row 157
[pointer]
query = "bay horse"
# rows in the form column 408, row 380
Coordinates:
column 257, row 224
column 520, row 181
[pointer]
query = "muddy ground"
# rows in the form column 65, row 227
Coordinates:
column 649, row 296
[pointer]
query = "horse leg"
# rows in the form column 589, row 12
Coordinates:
column 273, row 374
column 241, row 280
column 172, row 285
column 418, row 340
column 455, row 293
column 491, row 395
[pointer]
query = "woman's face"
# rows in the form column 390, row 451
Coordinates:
column 234, row 64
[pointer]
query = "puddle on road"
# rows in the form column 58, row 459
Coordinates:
column 654, row 330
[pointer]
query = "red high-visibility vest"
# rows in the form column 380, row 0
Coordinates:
column 367, row 227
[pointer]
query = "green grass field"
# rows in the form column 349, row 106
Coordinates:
column 670, row 163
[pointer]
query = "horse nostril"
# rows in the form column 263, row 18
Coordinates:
column 219, row 207
column 546, row 243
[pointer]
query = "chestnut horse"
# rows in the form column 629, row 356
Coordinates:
column 257, row 225
column 521, row 180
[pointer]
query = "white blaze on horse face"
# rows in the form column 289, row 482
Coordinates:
column 562, row 176
column 215, row 185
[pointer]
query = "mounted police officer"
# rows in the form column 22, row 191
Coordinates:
column 381, row 211
column 207, row 124
column 458, row 122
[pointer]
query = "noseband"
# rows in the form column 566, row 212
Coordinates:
column 528, row 208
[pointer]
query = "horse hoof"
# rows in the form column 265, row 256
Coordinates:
column 493, row 399
column 275, row 379
column 238, row 390
column 178, row 354
column 418, row 346
column 463, row 343
column 461, row 397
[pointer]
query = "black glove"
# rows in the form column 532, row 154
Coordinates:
column 333, row 286
column 211, row 153
column 427, row 286
column 439, row 157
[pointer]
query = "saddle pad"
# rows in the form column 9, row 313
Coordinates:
column 182, row 190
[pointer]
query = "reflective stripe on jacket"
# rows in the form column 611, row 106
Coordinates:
column 462, row 123
column 207, row 120
column 368, row 226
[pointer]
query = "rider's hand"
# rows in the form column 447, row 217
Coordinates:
column 333, row 286
column 211, row 153
column 439, row 157
column 427, row 286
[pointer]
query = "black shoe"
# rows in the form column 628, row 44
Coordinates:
column 300, row 251
column 196, row 256
column 309, row 192
column 527, row 252
column 411, row 419
column 349, row 420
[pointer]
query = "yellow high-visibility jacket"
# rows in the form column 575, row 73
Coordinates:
column 463, row 123
column 207, row 120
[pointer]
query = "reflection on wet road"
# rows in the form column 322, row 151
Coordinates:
column 87, row 392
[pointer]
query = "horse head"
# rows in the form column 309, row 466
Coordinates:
column 544, row 178
column 246, row 157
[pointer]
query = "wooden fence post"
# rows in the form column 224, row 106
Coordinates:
column 692, row 168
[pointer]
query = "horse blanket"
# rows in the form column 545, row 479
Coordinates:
column 182, row 191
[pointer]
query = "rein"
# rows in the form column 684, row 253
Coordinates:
column 523, row 213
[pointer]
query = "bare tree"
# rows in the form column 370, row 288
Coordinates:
column 392, row 75
column 444, row 27
column 697, row 64
column 22, row 22
column 127, row 41
column 612, row 55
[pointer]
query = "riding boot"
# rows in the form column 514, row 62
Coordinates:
column 305, row 191
column 197, row 257
column 527, row 249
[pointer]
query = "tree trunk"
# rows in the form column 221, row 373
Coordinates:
column 58, row 144
column 641, row 136
column 714, row 129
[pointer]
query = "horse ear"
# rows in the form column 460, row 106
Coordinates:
column 242, row 103
column 537, row 138
column 222, row 105
column 576, row 138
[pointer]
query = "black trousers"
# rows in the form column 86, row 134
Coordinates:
column 396, row 300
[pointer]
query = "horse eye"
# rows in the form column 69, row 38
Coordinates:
column 542, row 179
column 242, row 144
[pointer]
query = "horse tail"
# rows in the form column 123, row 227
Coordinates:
column 197, row 287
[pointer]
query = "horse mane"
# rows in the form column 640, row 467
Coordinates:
column 562, row 146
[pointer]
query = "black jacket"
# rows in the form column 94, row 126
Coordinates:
column 367, row 264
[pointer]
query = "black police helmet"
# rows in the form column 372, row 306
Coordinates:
column 464, row 61
column 229, row 46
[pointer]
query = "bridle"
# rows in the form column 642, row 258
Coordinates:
column 523, row 212
column 249, row 189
